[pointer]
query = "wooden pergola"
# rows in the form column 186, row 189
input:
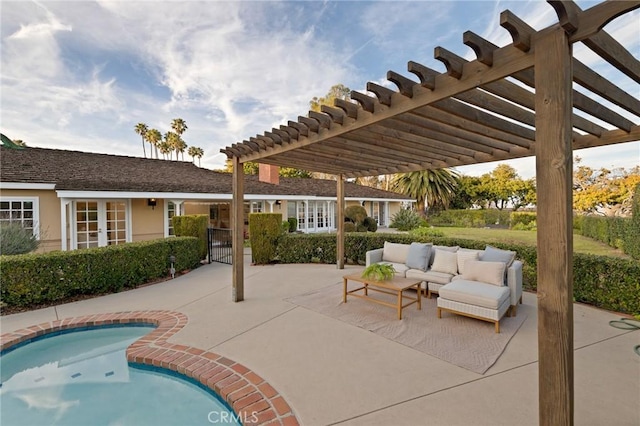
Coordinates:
column 476, row 112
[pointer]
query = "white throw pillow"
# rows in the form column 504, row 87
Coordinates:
column 445, row 248
column 445, row 261
column 485, row 272
column 396, row 253
column 463, row 256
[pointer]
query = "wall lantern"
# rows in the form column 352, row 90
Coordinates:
column 278, row 202
column 151, row 202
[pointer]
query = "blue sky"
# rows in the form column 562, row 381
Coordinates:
column 80, row 75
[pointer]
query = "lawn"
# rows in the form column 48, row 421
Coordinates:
column 580, row 244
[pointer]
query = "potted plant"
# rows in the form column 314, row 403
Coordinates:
column 379, row 272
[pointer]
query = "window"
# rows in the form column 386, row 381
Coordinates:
column 171, row 212
column 20, row 210
column 302, row 224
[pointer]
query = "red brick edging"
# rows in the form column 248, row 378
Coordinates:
column 253, row 400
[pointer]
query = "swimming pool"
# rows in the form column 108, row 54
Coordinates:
column 83, row 377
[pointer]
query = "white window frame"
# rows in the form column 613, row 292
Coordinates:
column 36, row 211
column 178, row 211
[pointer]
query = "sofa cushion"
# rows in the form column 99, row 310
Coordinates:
column 418, row 257
column 492, row 254
column 445, row 261
column 396, row 253
column 400, row 268
column 445, row 248
column 485, row 272
column 430, row 276
column 475, row 293
column 464, row 255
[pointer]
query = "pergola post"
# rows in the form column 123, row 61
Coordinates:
column 553, row 104
column 340, row 224
column 237, row 224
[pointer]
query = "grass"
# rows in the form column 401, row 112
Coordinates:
column 581, row 244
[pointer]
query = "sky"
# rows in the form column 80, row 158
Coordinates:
column 80, row 75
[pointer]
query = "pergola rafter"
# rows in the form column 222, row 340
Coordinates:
column 510, row 102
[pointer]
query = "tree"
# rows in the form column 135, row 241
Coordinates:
column 154, row 137
column 468, row 193
column 165, row 149
column 199, row 154
column 604, row 192
column 179, row 126
column 338, row 91
column 430, row 188
column 19, row 142
column 172, row 139
column 192, row 152
column 504, row 187
column 142, row 129
column 251, row 168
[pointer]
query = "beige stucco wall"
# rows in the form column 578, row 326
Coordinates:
column 146, row 223
column 48, row 218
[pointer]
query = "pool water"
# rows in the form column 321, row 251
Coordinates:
column 83, row 378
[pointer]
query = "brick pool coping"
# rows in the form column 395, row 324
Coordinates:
column 253, row 399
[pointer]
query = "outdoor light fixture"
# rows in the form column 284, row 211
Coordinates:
column 151, row 202
column 278, row 202
column 172, row 269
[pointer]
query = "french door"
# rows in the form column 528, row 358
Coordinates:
column 99, row 223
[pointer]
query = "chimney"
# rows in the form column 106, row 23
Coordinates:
column 269, row 173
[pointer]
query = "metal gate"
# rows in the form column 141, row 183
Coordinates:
column 220, row 247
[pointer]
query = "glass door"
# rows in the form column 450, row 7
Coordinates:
column 87, row 228
column 100, row 223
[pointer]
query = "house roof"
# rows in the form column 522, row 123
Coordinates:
column 84, row 171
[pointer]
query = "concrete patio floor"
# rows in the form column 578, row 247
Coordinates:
column 334, row 373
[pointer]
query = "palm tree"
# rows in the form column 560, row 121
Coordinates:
column 179, row 126
column 428, row 187
column 153, row 137
column 182, row 146
column 142, row 129
column 165, row 149
column 199, row 154
column 173, row 142
column 193, row 152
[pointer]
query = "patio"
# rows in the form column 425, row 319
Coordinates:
column 334, row 373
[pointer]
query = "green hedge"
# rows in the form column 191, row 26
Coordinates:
column 265, row 229
column 521, row 218
column 42, row 278
column 470, row 218
column 621, row 233
column 607, row 282
column 193, row 225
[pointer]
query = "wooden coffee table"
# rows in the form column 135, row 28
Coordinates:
column 395, row 286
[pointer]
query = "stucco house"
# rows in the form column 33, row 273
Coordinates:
column 75, row 200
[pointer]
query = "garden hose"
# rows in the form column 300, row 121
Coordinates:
column 627, row 324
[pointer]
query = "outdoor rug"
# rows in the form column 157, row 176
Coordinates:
column 462, row 341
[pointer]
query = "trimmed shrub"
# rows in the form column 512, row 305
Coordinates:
column 370, row 224
column 405, row 220
column 522, row 218
column 264, row 232
column 193, row 225
column 29, row 280
column 426, row 232
column 293, row 224
column 349, row 227
column 632, row 240
column 356, row 214
column 14, row 239
column 531, row 226
column 471, row 218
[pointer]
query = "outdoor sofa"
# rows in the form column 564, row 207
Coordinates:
column 483, row 284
